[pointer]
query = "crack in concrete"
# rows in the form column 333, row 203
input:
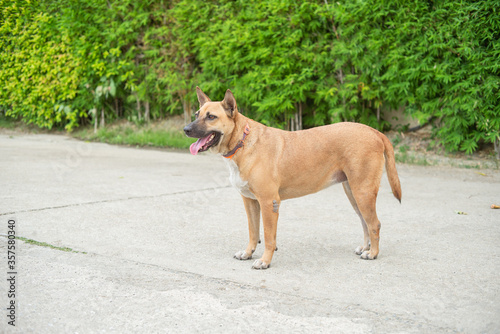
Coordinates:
column 113, row 200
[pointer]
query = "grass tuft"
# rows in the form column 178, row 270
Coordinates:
column 407, row 158
column 44, row 244
column 143, row 135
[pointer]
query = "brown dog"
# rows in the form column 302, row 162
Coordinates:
column 269, row 165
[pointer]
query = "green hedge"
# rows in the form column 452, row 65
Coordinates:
column 291, row 64
column 39, row 72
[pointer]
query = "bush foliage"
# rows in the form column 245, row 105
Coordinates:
column 291, row 64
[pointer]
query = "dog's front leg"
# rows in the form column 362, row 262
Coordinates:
column 270, row 214
column 252, row 207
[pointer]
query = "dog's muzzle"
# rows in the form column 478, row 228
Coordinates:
column 188, row 129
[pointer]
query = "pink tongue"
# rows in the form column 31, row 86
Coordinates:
column 196, row 147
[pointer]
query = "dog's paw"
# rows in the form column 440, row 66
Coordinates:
column 360, row 250
column 367, row 256
column 259, row 264
column 242, row 255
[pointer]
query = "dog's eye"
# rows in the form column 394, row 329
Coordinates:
column 211, row 117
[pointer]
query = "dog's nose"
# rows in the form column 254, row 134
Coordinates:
column 187, row 129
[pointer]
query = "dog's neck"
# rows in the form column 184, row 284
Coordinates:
column 240, row 122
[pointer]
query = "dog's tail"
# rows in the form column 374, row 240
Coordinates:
column 390, row 167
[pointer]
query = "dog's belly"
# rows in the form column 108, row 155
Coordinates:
column 236, row 181
column 311, row 184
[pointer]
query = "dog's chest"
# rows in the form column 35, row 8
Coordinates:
column 236, row 181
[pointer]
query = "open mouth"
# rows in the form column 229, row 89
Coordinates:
column 203, row 144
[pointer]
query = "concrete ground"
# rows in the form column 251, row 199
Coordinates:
column 154, row 233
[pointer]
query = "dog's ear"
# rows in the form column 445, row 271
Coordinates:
column 229, row 104
column 202, row 97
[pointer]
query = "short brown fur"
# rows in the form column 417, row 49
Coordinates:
column 280, row 165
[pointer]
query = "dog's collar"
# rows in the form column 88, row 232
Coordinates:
column 240, row 144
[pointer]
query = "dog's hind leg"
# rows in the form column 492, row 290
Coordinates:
column 252, row 207
column 366, row 205
column 364, row 190
column 366, row 197
column 366, row 243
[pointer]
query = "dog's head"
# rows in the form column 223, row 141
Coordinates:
column 214, row 123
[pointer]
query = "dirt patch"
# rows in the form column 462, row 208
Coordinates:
column 172, row 123
column 418, row 147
